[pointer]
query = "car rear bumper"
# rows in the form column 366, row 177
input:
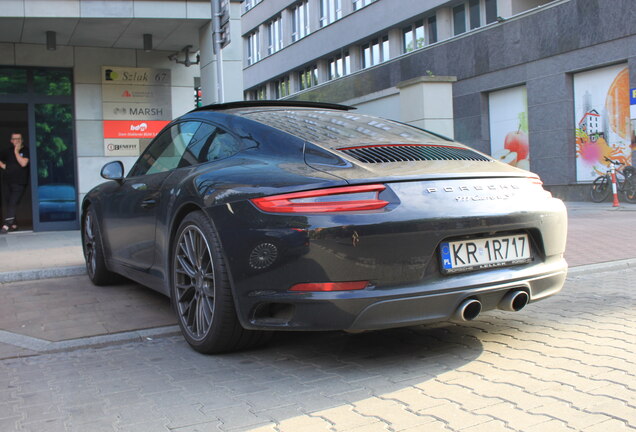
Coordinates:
column 373, row 309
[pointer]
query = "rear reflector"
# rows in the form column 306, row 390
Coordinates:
column 330, row 286
column 340, row 199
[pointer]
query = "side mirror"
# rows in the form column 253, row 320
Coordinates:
column 113, row 171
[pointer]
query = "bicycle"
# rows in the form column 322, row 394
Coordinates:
column 625, row 182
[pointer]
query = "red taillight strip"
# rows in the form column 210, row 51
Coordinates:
column 283, row 204
column 330, row 286
column 401, row 145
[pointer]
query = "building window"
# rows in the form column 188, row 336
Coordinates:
column 413, row 37
column 253, row 48
column 375, row 52
column 300, row 21
column 473, row 12
column 340, row 65
column 249, row 4
column 491, row 11
column 459, row 19
column 330, row 11
column 432, row 29
column 275, row 33
column 308, row 77
column 469, row 14
column 281, row 87
column 359, row 4
column 257, row 94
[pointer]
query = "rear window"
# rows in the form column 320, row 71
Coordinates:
column 342, row 128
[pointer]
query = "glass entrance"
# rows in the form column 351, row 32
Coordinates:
column 47, row 96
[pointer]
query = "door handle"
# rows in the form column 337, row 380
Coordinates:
column 149, row 203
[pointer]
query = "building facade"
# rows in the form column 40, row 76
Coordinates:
column 87, row 82
column 542, row 85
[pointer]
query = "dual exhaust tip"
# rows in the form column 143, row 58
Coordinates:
column 513, row 301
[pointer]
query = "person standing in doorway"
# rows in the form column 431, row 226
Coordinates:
column 14, row 160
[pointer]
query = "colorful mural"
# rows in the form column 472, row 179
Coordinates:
column 508, row 113
column 601, row 110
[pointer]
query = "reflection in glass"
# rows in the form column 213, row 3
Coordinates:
column 52, row 82
column 13, row 81
column 55, row 167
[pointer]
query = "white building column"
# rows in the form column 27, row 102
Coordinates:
column 444, row 17
column 504, row 8
column 395, row 42
column 427, row 102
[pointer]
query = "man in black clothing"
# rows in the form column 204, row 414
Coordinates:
column 14, row 161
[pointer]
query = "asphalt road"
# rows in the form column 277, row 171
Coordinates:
column 566, row 363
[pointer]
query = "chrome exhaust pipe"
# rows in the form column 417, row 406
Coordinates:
column 468, row 310
column 514, row 301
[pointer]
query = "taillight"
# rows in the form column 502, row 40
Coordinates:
column 537, row 181
column 330, row 286
column 340, row 199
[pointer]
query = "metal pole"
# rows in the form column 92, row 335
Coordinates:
column 218, row 51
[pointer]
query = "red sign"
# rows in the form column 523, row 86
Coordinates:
column 133, row 128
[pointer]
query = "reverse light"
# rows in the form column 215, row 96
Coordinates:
column 330, row 286
column 340, row 199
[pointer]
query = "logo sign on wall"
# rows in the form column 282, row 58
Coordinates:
column 136, row 104
column 602, row 120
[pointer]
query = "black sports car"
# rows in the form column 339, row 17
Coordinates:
column 259, row 216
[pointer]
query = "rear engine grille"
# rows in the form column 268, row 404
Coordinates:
column 411, row 153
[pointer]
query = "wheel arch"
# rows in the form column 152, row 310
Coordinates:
column 179, row 216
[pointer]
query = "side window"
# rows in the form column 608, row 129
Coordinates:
column 201, row 140
column 166, row 151
column 221, row 146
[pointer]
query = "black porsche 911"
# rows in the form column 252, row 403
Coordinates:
column 261, row 216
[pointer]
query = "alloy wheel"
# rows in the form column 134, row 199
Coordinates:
column 194, row 282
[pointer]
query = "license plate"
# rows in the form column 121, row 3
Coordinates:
column 483, row 253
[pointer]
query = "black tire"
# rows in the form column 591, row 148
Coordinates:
column 93, row 248
column 629, row 189
column 201, row 294
column 601, row 188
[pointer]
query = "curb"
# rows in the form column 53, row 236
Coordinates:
column 603, row 267
column 42, row 346
column 46, row 273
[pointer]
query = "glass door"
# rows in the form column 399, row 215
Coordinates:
column 48, row 97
